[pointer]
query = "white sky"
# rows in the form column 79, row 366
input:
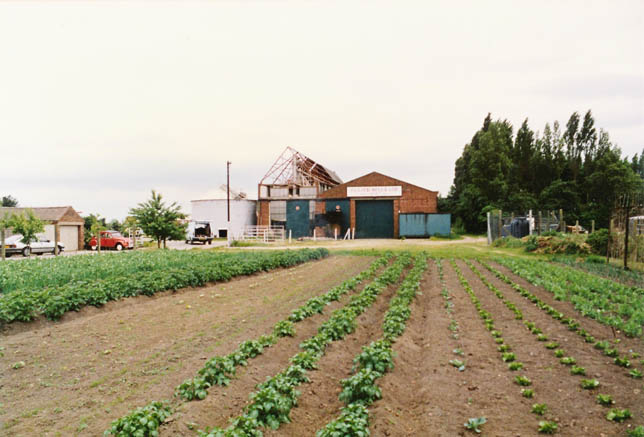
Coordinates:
column 102, row 101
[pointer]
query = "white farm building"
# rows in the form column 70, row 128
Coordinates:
column 243, row 212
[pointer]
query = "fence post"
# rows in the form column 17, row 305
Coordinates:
column 627, row 213
column 290, row 232
column 500, row 223
column 489, row 228
column 562, row 223
column 335, row 233
column 592, row 226
column 539, row 227
column 610, row 240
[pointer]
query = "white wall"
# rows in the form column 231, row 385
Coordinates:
column 242, row 213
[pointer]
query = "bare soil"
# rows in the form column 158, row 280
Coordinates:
column 85, row 371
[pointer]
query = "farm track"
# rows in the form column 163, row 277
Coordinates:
column 574, row 409
column 319, row 402
column 82, row 373
column 596, row 329
column 224, row 403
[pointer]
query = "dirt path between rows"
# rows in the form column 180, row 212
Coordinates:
column 84, row 372
column 574, row 409
column 319, row 403
column 425, row 395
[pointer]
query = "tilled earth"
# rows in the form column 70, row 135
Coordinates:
column 82, row 373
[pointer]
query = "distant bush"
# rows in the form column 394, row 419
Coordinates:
column 594, row 259
column 598, row 241
column 531, row 244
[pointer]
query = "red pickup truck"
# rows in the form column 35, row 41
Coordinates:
column 110, row 240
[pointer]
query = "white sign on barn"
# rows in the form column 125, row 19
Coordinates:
column 384, row 191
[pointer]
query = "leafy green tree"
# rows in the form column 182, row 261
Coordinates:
column 9, row 201
column 27, row 225
column 160, row 221
column 5, row 223
column 93, row 224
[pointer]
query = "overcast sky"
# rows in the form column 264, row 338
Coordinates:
column 102, row 101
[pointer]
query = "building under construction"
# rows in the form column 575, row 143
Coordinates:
column 307, row 199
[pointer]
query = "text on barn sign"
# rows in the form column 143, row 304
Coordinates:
column 384, row 191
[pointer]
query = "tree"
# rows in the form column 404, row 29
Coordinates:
column 93, row 224
column 160, row 221
column 27, row 225
column 9, row 201
column 5, row 223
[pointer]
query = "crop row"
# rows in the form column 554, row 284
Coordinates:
column 572, row 324
column 53, row 302
column 271, row 404
column 506, row 354
column 606, row 301
column 360, row 390
column 219, row 369
column 38, row 273
column 458, row 363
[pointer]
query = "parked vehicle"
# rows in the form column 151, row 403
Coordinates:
column 110, row 240
column 40, row 245
column 199, row 231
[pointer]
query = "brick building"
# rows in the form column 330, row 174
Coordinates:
column 62, row 223
column 373, row 205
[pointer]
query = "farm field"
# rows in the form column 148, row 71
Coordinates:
column 400, row 345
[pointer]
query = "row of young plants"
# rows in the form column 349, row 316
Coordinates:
column 598, row 266
column 274, row 399
column 606, row 301
column 220, row 369
column 360, row 390
column 454, row 328
column 506, row 354
column 53, row 302
column 606, row 400
column 573, row 325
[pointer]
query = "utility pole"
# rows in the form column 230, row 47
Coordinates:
column 228, row 199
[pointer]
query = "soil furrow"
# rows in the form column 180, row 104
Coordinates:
column 573, row 408
column 319, row 402
column 224, row 403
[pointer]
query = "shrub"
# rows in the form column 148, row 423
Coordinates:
column 598, row 241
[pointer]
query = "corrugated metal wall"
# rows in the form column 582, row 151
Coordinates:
column 424, row 225
column 374, row 219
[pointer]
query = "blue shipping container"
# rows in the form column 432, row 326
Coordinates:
column 424, row 225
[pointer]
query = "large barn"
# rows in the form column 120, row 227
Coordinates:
column 309, row 199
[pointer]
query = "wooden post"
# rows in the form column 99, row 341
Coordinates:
column 539, row 227
column 562, row 223
column 3, row 250
column 98, row 240
column 290, row 233
column 626, row 214
column 576, row 226
column 610, row 240
column 335, row 233
column 56, row 238
column 592, row 226
column 500, row 223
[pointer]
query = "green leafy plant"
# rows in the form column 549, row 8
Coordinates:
column 605, row 400
column 284, row 328
column 475, row 423
column 635, row 374
column 527, row 393
column 377, row 356
column 623, row 362
column 547, row 427
column 589, row 384
column 636, row 432
column 552, row 345
column 539, row 409
column 508, row 357
column 143, row 421
column 353, row 422
column 617, row 415
column 522, row 380
column 559, row 353
column 515, row 366
column 361, row 388
column 577, row 370
column 568, row 361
